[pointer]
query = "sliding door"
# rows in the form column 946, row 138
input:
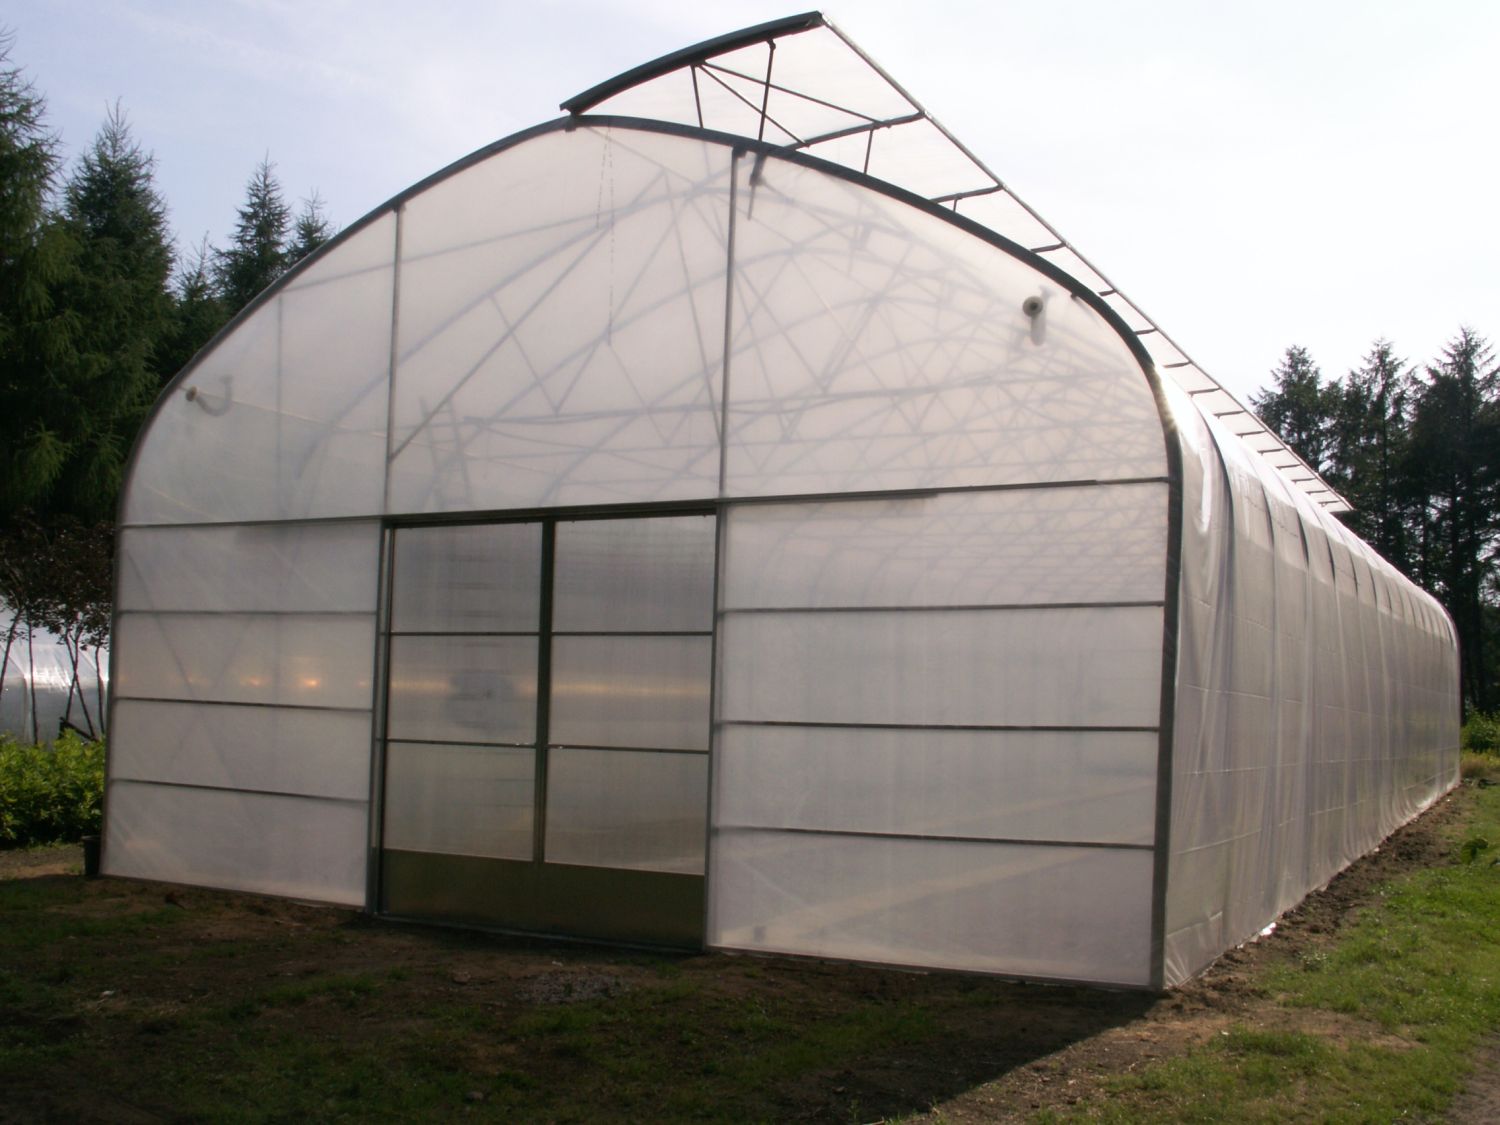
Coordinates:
column 547, row 726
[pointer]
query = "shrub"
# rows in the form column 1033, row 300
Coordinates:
column 1481, row 733
column 49, row 794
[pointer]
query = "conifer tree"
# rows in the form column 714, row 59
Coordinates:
column 311, row 229
column 257, row 255
column 1367, row 451
column 197, row 311
column 117, row 293
column 1298, row 407
column 36, row 337
column 1455, row 462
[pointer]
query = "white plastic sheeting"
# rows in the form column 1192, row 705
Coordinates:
column 1316, row 700
column 801, row 85
column 242, row 754
column 42, row 689
column 990, row 653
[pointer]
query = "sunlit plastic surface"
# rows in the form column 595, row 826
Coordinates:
column 804, row 86
column 1005, row 785
column 1021, row 547
column 561, row 326
column 301, row 660
column 1049, row 667
column 459, row 800
column 1073, row 913
column 471, row 578
column 874, row 346
column 1312, row 716
column 635, row 575
column 621, row 808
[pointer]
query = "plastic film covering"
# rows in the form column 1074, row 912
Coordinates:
column 1315, row 710
column 800, row 84
column 875, row 346
column 284, row 417
column 1051, row 912
column 240, row 745
column 243, row 841
column 41, row 687
column 561, row 326
column 932, row 743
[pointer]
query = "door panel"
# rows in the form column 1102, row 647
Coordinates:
column 548, row 717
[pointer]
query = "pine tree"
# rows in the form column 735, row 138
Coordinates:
column 1367, row 450
column 197, row 311
column 118, row 296
column 258, row 254
column 36, row 337
column 1455, row 462
column 1298, row 407
column 311, row 229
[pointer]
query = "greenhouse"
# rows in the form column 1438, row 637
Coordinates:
column 727, row 517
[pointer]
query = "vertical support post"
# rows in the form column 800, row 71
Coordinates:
column 543, row 696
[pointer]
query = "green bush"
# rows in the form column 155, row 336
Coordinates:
column 1481, row 734
column 49, row 794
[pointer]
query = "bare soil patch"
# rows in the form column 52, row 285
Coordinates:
column 530, row 1030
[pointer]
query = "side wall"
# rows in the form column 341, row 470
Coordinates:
column 1316, row 700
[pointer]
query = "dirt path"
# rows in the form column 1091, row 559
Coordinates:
column 30, row 863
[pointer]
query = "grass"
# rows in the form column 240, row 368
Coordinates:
column 1379, row 1026
column 207, row 1006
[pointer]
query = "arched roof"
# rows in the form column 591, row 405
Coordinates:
column 801, row 84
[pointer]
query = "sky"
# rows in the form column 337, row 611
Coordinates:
column 1311, row 172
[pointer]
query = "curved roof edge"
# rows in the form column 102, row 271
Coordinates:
column 839, row 99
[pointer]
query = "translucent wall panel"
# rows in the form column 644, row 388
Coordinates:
column 1066, row 913
column 1068, row 667
column 620, row 808
column 1016, row 785
column 1009, row 547
column 1311, row 717
column 647, row 692
column 874, row 346
column 285, row 417
column 305, row 660
column 473, row 578
column 561, row 326
column 459, row 800
column 883, row 788
column 240, row 746
column 293, row 846
column 274, row 749
column 300, row 568
column 635, row 575
column 463, row 689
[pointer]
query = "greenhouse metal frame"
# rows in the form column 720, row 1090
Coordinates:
column 727, row 517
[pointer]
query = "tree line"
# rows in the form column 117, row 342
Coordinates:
column 98, row 310
column 1415, row 449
